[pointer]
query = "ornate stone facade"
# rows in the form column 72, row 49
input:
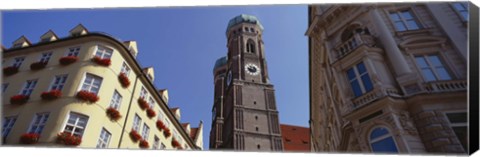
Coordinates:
column 388, row 77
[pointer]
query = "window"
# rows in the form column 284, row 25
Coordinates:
column 458, row 122
column 125, row 69
column 432, row 68
column 145, row 131
column 4, row 87
column 104, row 139
column 38, row 123
column 167, row 123
column 136, row 122
column 58, row 82
column 45, row 57
column 404, row 20
column 159, row 115
column 250, row 46
column 162, row 146
column 151, row 102
column 28, row 88
column 18, row 61
column 462, row 9
column 359, row 79
column 382, row 141
column 92, row 83
column 156, row 143
column 76, row 124
column 8, row 123
column 73, row 51
column 103, row 52
column 116, row 100
column 143, row 93
column 17, row 45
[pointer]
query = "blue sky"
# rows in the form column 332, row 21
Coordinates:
column 183, row 43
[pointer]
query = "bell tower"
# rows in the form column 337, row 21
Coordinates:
column 249, row 116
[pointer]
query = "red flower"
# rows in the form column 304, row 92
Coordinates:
column 68, row 139
column 175, row 143
column 166, row 132
column 29, row 138
column 100, row 61
column 8, row 71
column 87, row 96
column 135, row 136
column 123, row 80
column 160, row 125
column 143, row 104
column 151, row 113
column 38, row 65
column 51, row 95
column 19, row 99
column 113, row 114
column 143, row 144
column 68, row 60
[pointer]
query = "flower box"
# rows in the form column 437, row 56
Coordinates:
column 51, row 95
column 160, row 125
column 68, row 60
column 151, row 113
column 113, row 114
column 143, row 144
column 38, row 65
column 100, row 61
column 19, row 99
column 87, row 96
column 143, row 104
column 166, row 132
column 68, row 139
column 123, row 80
column 175, row 143
column 29, row 138
column 135, row 136
column 8, row 71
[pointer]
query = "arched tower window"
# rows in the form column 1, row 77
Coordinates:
column 251, row 46
column 381, row 140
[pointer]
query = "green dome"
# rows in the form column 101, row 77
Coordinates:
column 244, row 18
column 220, row 62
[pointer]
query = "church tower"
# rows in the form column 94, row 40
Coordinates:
column 249, row 116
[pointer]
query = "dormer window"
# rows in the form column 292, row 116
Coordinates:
column 17, row 45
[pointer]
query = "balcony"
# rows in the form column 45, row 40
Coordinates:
column 353, row 43
column 370, row 97
column 446, row 86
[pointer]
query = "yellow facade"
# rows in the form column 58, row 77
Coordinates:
column 59, row 109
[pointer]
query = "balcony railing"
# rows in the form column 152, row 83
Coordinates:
column 446, row 86
column 374, row 95
column 354, row 42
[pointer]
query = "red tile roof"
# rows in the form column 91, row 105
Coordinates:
column 295, row 138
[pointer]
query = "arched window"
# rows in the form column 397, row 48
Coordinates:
column 251, row 46
column 381, row 140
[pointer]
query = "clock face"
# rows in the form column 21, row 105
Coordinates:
column 252, row 69
column 229, row 78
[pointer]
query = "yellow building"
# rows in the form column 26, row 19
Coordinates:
column 89, row 85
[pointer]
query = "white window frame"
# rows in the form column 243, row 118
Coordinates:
column 137, row 122
column 145, row 131
column 116, row 101
column 90, row 85
column 167, row 123
column 160, row 115
column 7, row 125
column 151, row 102
column 73, row 51
column 76, row 126
column 39, row 122
column 143, row 93
column 28, row 87
column 103, row 52
column 156, row 142
column 125, row 69
column 45, row 57
column 104, row 139
column 62, row 79
column 403, row 20
column 18, row 61
column 431, row 67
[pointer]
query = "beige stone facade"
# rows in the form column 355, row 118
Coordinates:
column 87, row 120
column 388, row 77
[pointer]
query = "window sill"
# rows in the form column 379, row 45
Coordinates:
column 410, row 32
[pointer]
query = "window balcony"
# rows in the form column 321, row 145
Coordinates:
column 370, row 97
column 353, row 43
column 445, row 86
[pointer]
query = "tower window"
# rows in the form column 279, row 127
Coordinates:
column 250, row 46
column 254, row 102
column 252, row 30
column 256, row 128
column 258, row 146
column 256, row 117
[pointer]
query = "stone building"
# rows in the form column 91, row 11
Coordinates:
column 388, row 77
column 244, row 113
column 89, row 88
